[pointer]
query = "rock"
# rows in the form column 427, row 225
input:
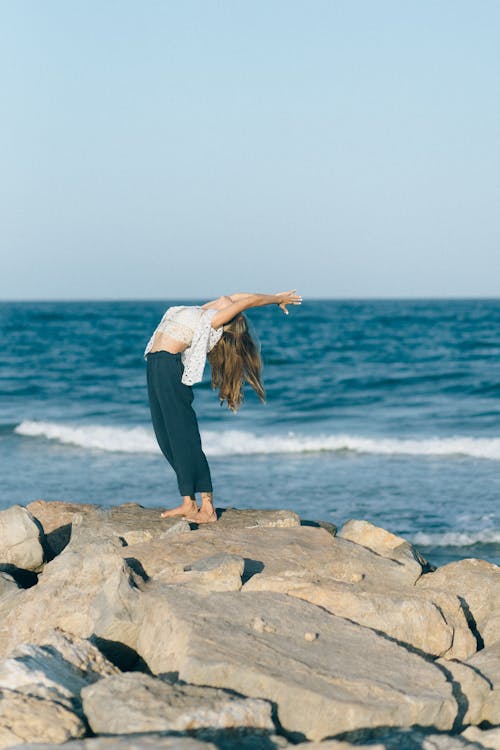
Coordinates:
column 349, row 677
column 56, row 670
column 128, row 742
column 484, row 738
column 129, row 523
column 40, row 689
column 487, row 663
column 134, row 702
column 219, row 572
column 327, row 525
column 432, row 621
column 56, row 518
column 65, row 595
column 296, row 551
column 21, row 539
column 8, row 585
column 233, row 518
column 385, row 543
column 477, row 582
column 398, row 739
column 472, row 691
column 25, row 718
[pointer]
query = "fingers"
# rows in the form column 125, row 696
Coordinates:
column 288, row 298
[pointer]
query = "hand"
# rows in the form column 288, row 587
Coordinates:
column 288, row 298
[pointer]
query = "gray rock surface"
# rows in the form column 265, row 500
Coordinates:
column 21, row 539
column 384, row 543
column 403, row 739
column 8, row 585
column 56, row 670
column 318, row 630
column 28, row 718
column 233, row 518
column 219, row 572
column 432, row 621
column 477, row 582
column 345, row 678
column 297, row 551
column 138, row 742
column 65, row 595
column 130, row 523
column 485, row 738
column 487, row 663
column 40, row 689
column 133, row 702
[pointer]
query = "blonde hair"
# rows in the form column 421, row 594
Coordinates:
column 233, row 360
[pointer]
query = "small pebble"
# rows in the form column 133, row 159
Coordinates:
column 311, row 636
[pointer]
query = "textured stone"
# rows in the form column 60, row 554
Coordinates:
column 432, row 621
column 26, row 718
column 21, row 539
column 56, row 517
column 385, row 543
column 64, row 596
column 487, row 662
column 399, row 739
column 296, row 551
column 219, row 572
column 134, row 702
column 128, row 742
column 477, row 582
column 232, row 518
column 348, row 677
column 55, row 671
column 489, row 739
column 8, row 585
column 130, row 523
column 473, row 690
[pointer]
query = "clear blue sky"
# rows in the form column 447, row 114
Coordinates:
column 186, row 149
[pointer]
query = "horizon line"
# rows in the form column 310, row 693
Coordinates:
column 341, row 298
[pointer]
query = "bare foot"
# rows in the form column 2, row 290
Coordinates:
column 186, row 509
column 203, row 516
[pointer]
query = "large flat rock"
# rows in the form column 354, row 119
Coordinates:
column 326, row 674
column 432, row 621
column 297, row 551
column 133, row 703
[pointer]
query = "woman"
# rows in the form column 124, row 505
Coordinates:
column 175, row 357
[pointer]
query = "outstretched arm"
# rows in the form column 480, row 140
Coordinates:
column 246, row 301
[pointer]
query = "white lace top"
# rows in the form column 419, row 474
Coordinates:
column 191, row 325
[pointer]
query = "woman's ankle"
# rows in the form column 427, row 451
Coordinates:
column 207, row 500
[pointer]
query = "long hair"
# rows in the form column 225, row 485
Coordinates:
column 233, row 360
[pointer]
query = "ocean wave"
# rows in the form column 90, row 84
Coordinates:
column 456, row 538
column 234, row 442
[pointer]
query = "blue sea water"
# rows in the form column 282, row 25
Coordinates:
column 382, row 410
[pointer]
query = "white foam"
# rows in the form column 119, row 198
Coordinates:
column 456, row 538
column 231, row 442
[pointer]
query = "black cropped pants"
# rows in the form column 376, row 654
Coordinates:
column 175, row 423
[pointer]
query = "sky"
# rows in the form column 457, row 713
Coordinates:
column 165, row 150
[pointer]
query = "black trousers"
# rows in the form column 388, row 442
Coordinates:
column 174, row 422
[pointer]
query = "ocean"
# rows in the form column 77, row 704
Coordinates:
column 387, row 411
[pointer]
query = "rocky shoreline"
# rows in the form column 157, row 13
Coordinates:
column 120, row 629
